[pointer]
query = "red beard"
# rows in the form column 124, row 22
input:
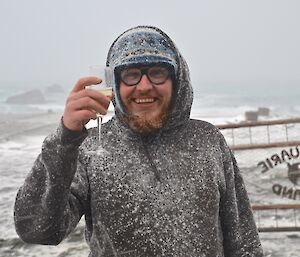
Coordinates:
column 143, row 124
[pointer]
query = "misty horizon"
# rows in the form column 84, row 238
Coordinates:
column 232, row 42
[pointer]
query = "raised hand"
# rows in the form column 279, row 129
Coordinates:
column 82, row 104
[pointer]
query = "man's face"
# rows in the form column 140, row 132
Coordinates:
column 147, row 103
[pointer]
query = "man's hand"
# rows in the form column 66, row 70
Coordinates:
column 83, row 104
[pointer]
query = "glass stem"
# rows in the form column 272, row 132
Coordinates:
column 99, row 123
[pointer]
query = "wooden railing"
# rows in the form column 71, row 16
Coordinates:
column 270, row 217
column 277, row 226
column 268, row 144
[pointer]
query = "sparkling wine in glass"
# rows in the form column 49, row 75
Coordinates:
column 105, row 73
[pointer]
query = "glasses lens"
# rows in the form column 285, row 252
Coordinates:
column 158, row 75
column 131, row 76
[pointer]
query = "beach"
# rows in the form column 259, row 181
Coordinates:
column 12, row 124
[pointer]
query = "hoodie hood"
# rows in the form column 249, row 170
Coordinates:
column 149, row 45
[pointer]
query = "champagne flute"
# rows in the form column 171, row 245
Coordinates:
column 105, row 73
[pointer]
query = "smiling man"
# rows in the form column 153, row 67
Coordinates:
column 167, row 186
column 146, row 93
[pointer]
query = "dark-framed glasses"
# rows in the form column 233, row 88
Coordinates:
column 157, row 74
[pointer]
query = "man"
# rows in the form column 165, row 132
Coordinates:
column 168, row 186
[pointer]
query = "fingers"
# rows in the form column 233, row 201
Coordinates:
column 76, row 120
column 84, row 82
column 83, row 104
column 97, row 95
column 88, row 99
column 89, row 103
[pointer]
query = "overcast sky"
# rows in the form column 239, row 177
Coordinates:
column 223, row 41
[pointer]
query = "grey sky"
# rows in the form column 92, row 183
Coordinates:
column 223, row 41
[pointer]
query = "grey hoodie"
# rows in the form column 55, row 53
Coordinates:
column 175, row 192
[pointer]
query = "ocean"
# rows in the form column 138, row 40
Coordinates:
column 23, row 128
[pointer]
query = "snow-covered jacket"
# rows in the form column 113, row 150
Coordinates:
column 176, row 192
